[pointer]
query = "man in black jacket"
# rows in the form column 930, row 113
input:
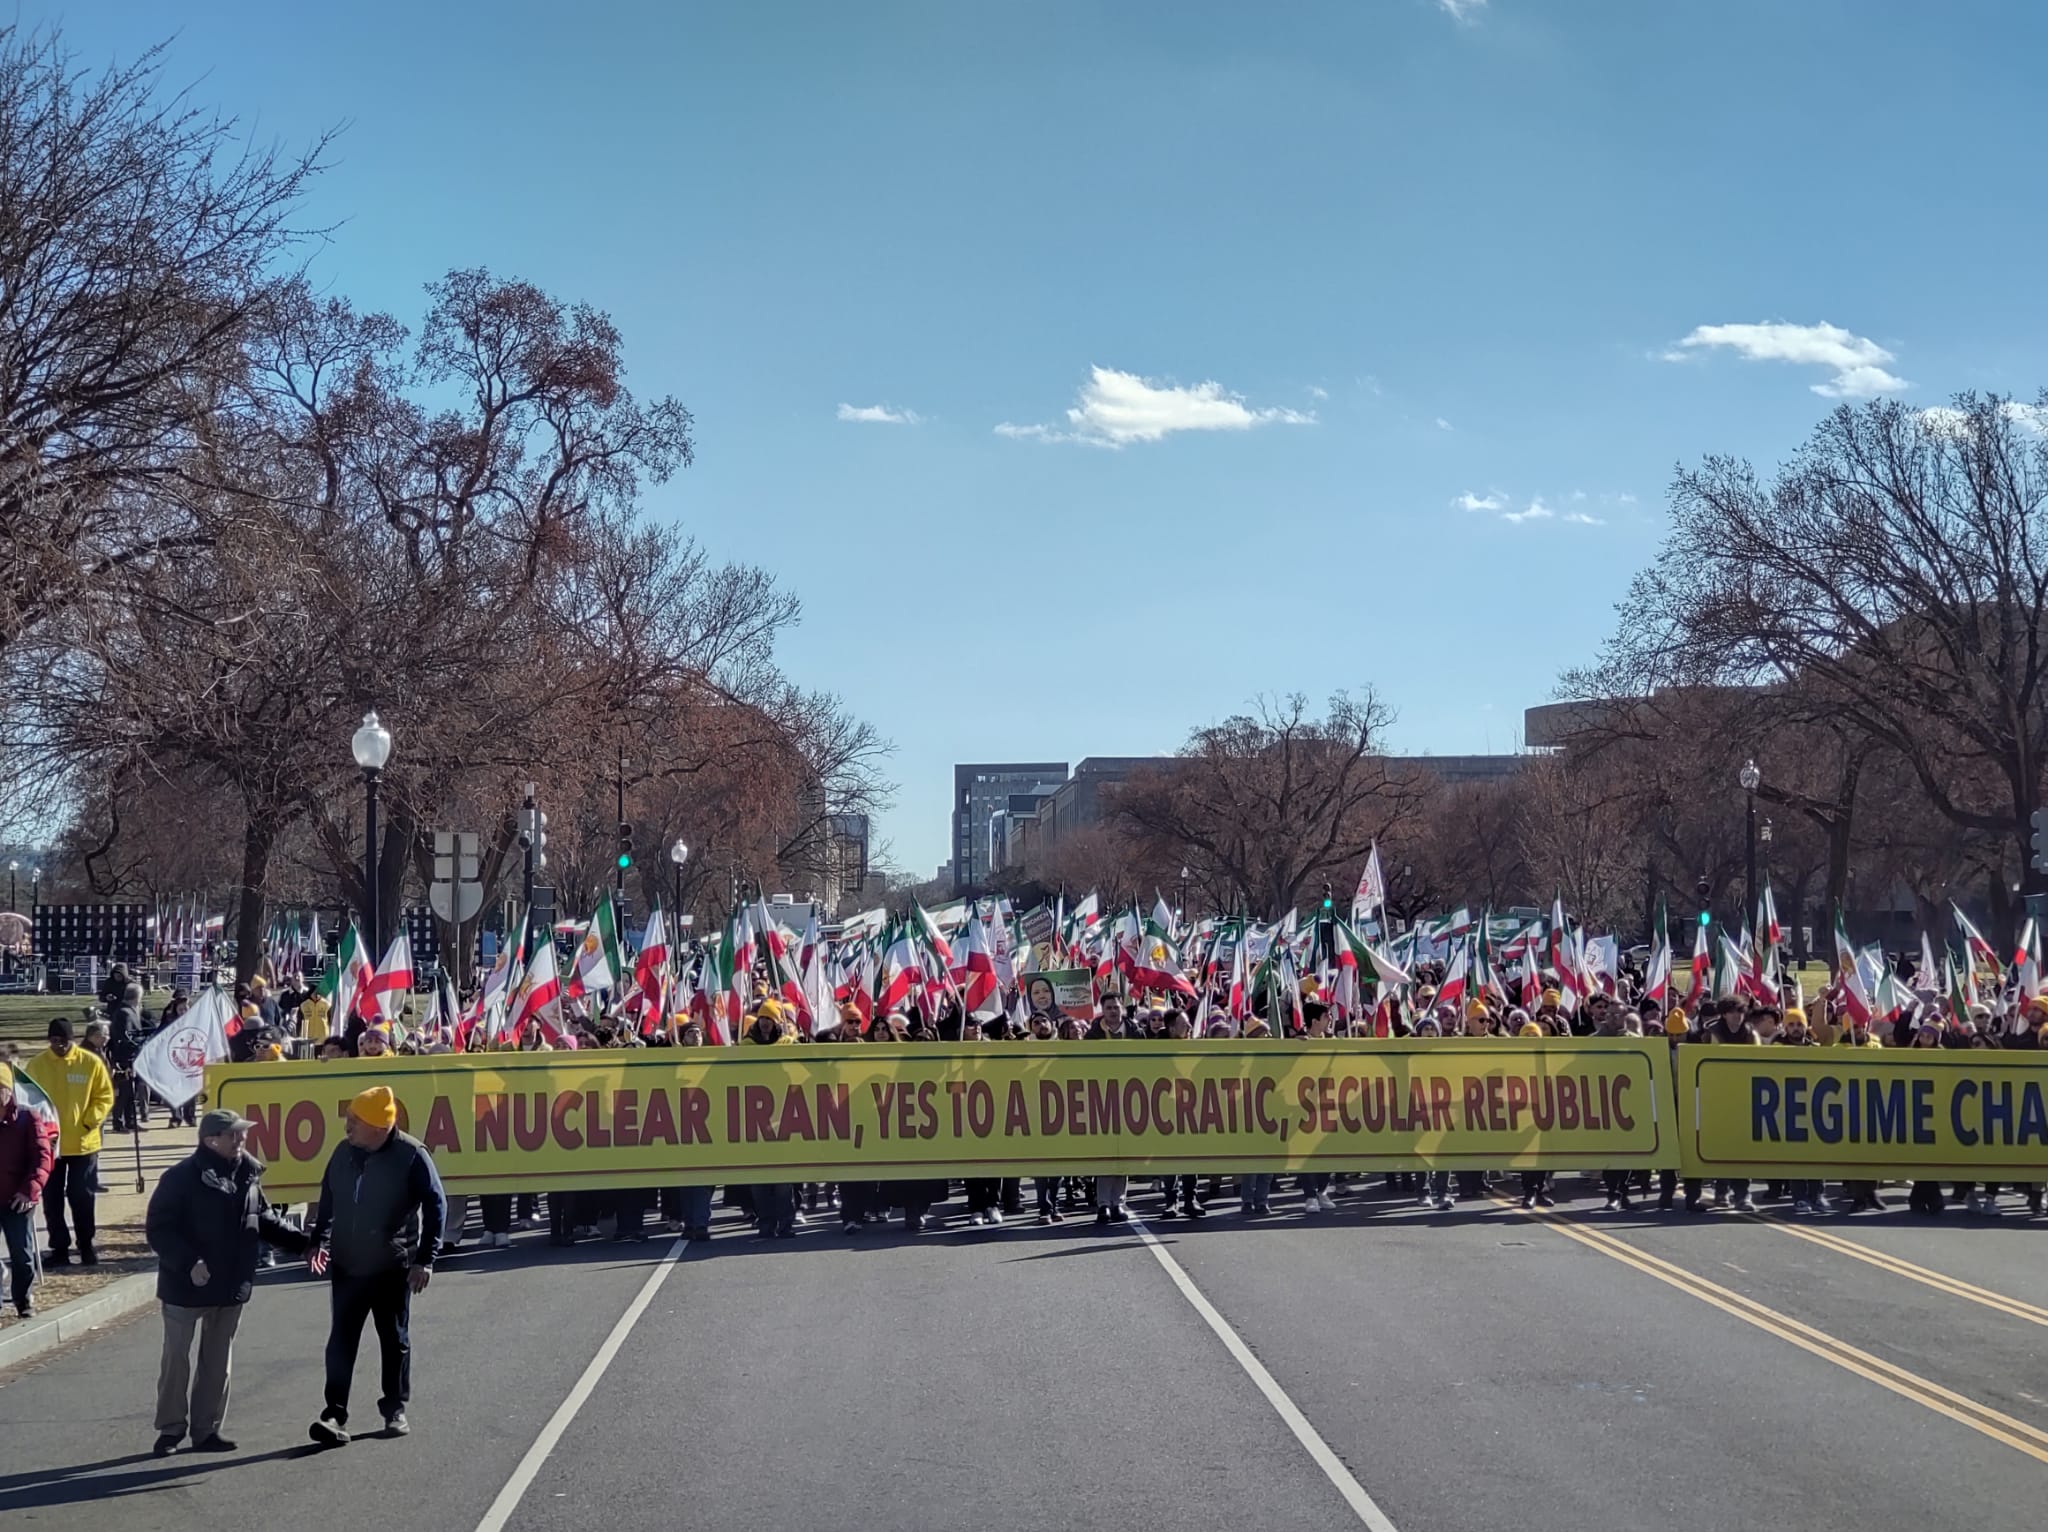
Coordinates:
column 377, row 1231
column 206, row 1220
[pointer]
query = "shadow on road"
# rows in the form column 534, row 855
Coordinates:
column 93, row 1481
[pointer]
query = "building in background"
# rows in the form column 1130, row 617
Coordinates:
column 982, row 790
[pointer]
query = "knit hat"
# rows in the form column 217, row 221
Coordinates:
column 375, row 1106
column 1552, row 997
column 1476, row 1008
column 6, row 1075
column 60, row 1029
column 1675, row 1025
column 1530, row 1029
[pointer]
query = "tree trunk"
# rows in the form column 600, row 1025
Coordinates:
column 257, row 840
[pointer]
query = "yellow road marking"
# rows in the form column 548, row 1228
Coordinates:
column 1900, row 1267
column 1981, row 1418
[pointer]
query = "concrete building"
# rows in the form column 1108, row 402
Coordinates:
column 981, row 790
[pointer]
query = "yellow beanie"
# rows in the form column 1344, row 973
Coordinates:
column 1476, row 1008
column 6, row 1076
column 1529, row 1029
column 1793, row 1013
column 1675, row 1025
column 1552, row 997
column 375, row 1106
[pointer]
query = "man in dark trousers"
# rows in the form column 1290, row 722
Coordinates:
column 206, row 1220
column 376, row 1233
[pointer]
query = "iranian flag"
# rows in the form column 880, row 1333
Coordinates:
column 340, row 985
column 1372, row 889
column 929, row 933
column 1856, row 997
column 900, row 973
column 32, row 1099
column 704, row 1004
column 2026, row 960
column 600, row 964
column 1657, row 977
column 1700, row 964
column 980, row 993
column 1154, row 964
column 735, row 972
column 1979, row 948
column 382, row 996
column 1731, row 972
column 1357, row 966
column 1240, row 986
column 1532, row 979
column 540, row 995
column 1767, row 918
column 1564, row 958
column 1457, row 977
column 652, row 960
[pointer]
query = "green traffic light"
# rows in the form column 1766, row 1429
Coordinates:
column 1326, row 904
column 625, row 860
column 1705, row 918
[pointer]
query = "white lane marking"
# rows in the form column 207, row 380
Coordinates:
column 523, row 1476
column 1368, row 1513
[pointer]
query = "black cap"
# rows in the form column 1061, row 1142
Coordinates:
column 60, row 1029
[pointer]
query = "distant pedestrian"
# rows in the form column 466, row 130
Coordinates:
column 82, row 1092
column 375, row 1233
column 28, row 1150
column 207, row 1221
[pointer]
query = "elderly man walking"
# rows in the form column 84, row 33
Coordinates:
column 207, row 1219
column 375, row 1233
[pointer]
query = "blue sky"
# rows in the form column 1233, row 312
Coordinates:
column 1089, row 369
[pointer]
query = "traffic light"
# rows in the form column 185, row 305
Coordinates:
column 1706, row 919
column 625, row 845
column 2041, row 840
column 1327, row 903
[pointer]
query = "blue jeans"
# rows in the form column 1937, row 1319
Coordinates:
column 19, row 1230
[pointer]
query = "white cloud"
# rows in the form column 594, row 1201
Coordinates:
column 1624, row 498
column 1442, row 424
column 1945, row 421
column 1116, row 408
column 1315, row 392
column 1463, row 12
column 1853, row 359
column 1496, row 504
column 879, row 415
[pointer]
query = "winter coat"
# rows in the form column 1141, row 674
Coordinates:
column 81, row 1090
column 27, row 1153
column 209, row 1209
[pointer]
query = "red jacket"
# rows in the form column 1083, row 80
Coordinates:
column 26, row 1155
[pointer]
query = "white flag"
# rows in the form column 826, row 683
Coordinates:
column 174, row 1060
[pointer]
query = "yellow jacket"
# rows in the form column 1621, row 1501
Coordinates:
column 313, row 1016
column 82, row 1092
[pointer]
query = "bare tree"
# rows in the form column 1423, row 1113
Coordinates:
column 1898, row 568
column 136, row 239
column 1263, row 803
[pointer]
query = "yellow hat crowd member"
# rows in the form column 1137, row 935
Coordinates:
column 375, row 1106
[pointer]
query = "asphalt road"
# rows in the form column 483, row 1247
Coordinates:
column 1380, row 1367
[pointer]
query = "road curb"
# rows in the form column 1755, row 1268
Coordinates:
column 66, row 1322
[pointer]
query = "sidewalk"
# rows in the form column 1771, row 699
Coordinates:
column 122, row 1250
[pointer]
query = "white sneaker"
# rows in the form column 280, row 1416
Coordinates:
column 995, row 1215
column 1329, row 1203
column 1802, row 1209
column 1822, row 1205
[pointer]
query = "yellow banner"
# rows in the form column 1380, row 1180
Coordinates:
column 501, row 1122
column 1863, row 1113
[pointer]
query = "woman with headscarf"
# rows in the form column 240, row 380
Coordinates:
column 775, row 1214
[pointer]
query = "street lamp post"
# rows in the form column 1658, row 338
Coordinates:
column 1750, row 777
column 372, row 748
column 529, row 835
column 11, row 867
column 678, row 854
column 1186, row 874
